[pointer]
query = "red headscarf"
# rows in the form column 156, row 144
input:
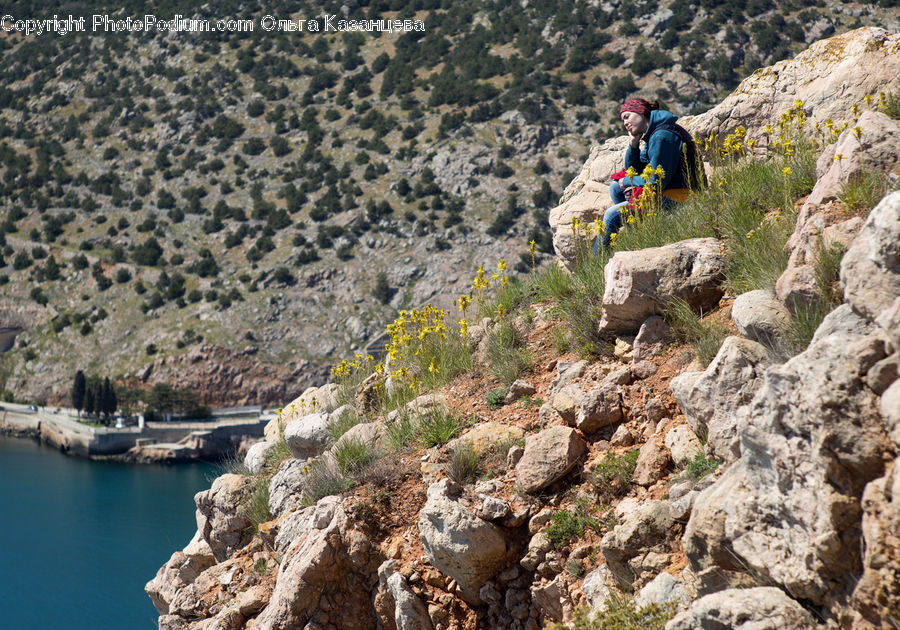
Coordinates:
column 637, row 105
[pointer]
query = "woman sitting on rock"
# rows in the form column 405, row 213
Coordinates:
column 663, row 141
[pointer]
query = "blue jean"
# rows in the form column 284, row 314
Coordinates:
column 612, row 220
column 616, row 188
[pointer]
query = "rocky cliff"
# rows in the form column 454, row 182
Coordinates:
column 759, row 490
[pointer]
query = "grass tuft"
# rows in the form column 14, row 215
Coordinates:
column 705, row 337
column 611, row 478
column 465, row 464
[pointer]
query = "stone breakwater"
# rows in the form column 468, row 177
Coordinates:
column 157, row 442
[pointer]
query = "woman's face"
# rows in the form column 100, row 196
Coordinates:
column 635, row 124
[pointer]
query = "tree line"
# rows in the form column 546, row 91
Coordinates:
column 98, row 397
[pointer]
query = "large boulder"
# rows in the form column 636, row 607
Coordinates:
column 710, row 399
column 877, row 594
column 826, row 77
column 587, row 205
column 760, row 608
column 870, row 270
column 458, row 543
column 788, row 510
column 286, row 486
column 397, row 599
column 600, row 407
column 549, row 456
column 640, row 283
column 221, row 514
column 308, row 435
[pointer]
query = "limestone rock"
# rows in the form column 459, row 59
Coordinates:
column 331, row 556
column 760, row 608
column 221, row 513
column 639, row 283
column 256, row 456
column 663, row 589
column 549, row 456
column 485, row 436
column 458, row 543
column 825, row 77
column 408, row 611
column 788, row 510
column 597, row 588
column 286, row 486
column 652, row 463
column 585, row 206
column 308, row 435
column 600, row 407
column 870, row 270
column 519, row 389
column 634, row 548
column 797, row 286
column 710, row 400
column 877, row 594
column 552, row 599
column 566, row 402
column 683, row 444
column 760, row 317
column 181, row 570
column 890, row 410
column 537, row 550
column 651, row 338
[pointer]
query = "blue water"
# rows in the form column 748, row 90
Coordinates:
column 79, row 539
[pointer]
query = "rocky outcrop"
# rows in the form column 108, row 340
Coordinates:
column 788, row 510
column 760, row 608
column 308, row 435
column 870, row 270
column 640, row 283
column 825, row 77
column 639, row 548
column 221, row 514
column 877, row 595
column 458, row 543
column 760, row 317
column 711, row 399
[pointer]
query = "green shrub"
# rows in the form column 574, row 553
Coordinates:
column 438, row 426
column 353, row 456
column 568, row 526
column 507, row 354
column 611, row 478
column 496, row 397
column 257, row 510
column 701, row 466
column 621, row 614
column 464, row 464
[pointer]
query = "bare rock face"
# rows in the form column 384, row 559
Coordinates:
column 890, row 410
column 760, row 608
column 870, row 270
column 549, row 456
column 181, row 570
column 760, row 317
column 788, row 510
column 458, row 543
column 877, row 595
column 825, row 77
column 710, row 399
column 332, row 567
column 639, row 283
column 256, row 455
column 308, row 435
column 221, row 511
column 683, row 443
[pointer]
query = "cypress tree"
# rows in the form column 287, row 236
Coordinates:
column 90, row 399
column 78, row 391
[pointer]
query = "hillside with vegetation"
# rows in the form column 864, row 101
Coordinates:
column 232, row 212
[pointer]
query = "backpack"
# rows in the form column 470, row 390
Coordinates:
column 690, row 164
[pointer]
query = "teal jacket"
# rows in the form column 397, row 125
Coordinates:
column 661, row 147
